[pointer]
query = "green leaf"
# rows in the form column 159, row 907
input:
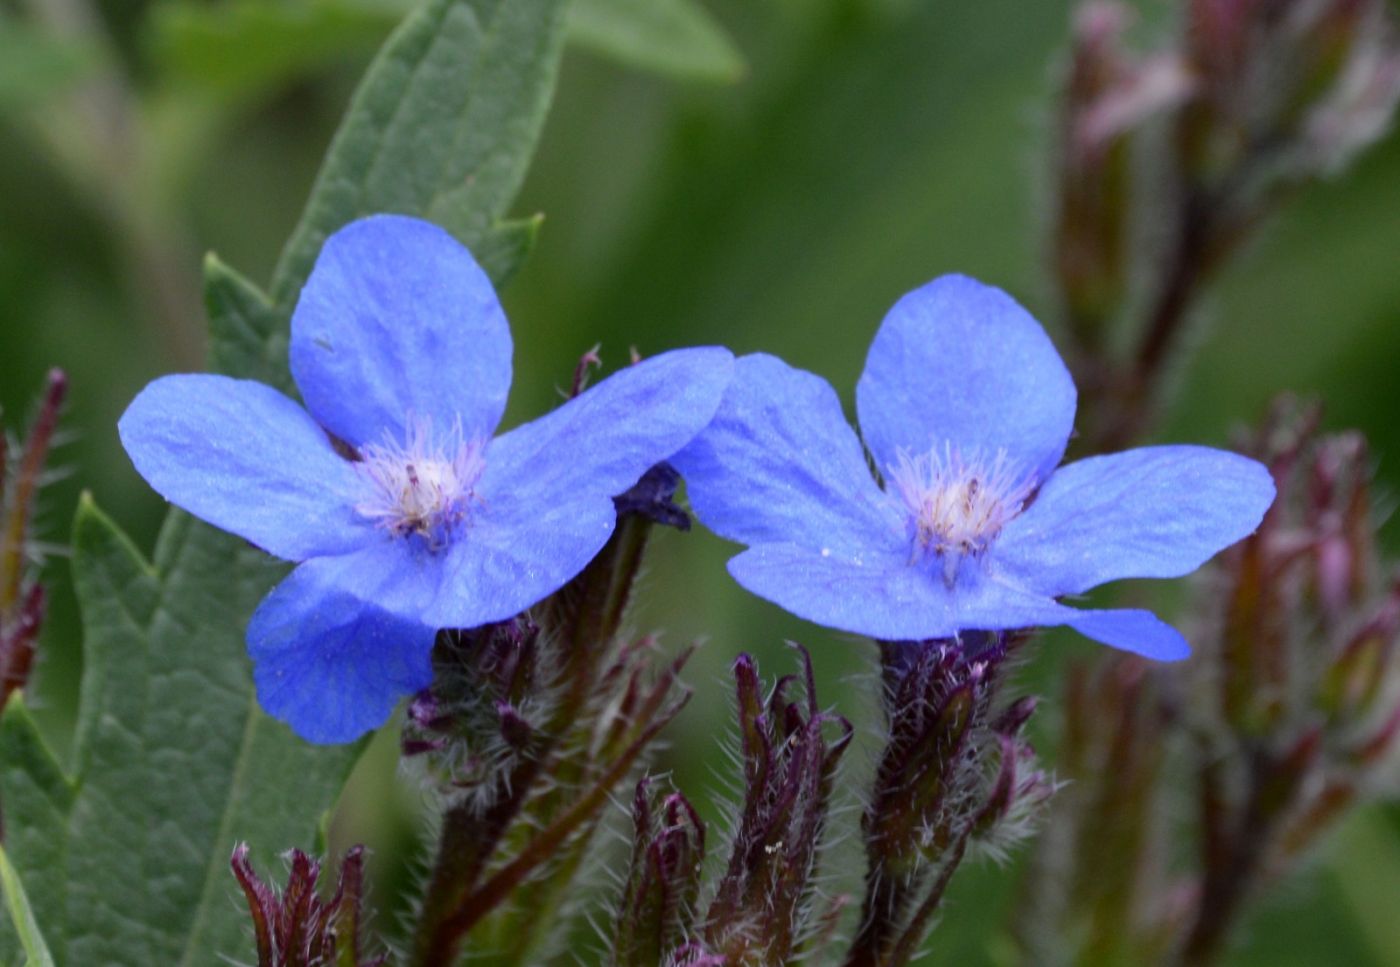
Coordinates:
column 247, row 333
column 504, row 249
column 177, row 761
column 127, row 863
column 174, row 760
column 676, row 37
column 443, row 126
column 35, row 951
column 249, row 47
column 36, row 801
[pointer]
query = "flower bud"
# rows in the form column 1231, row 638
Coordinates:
column 297, row 927
column 935, row 795
column 1310, row 624
column 790, row 749
column 1013, row 806
column 476, row 715
column 652, row 497
column 22, row 598
column 1305, row 83
column 657, row 912
column 1305, row 656
column 1109, row 94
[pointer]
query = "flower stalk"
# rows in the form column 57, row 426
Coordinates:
column 764, row 911
column 22, row 597
column 1286, row 721
column 761, row 905
column 1095, row 885
column 1307, row 646
column 1252, row 102
column 663, row 881
column 937, row 791
column 529, row 727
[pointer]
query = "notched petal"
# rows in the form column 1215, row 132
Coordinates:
column 398, row 322
column 960, row 364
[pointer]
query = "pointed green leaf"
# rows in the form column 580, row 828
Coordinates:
column 36, row 952
column 35, row 799
column 174, row 762
column 504, row 249
column 247, row 333
column 443, row 126
column 676, row 37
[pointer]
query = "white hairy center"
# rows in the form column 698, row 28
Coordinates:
column 421, row 485
column 956, row 506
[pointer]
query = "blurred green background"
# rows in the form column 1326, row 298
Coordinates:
column 866, row 146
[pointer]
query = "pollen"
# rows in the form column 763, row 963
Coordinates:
column 422, row 485
column 956, row 507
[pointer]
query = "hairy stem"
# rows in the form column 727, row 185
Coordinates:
column 918, row 924
column 1229, row 878
column 584, row 618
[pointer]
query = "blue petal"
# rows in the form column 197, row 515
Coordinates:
column 402, row 575
column 780, row 464
column 331, row 666
column 513, row 558
column 496, row 570
column 546, row 492
column 961, row 363
column 882, row 595
column 884, row 598
column 1154, row 512
column 1140, row 632
column 601, row 442
column 544, row 502
column 245, row 458
column 397, row 321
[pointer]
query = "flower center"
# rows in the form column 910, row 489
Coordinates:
column 956, row 506
column 422, row 485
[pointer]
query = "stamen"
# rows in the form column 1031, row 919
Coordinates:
column 422, row 485
column 956, row 506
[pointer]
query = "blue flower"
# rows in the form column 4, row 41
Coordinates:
column 404, row 514
column 966, row 409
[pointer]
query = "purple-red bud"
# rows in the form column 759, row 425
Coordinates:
column 22, row 599
column 653, row 496
column 657, row 912
column 790, row 752
column 296, row 927
column 515, row 730
column 1375, row 749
